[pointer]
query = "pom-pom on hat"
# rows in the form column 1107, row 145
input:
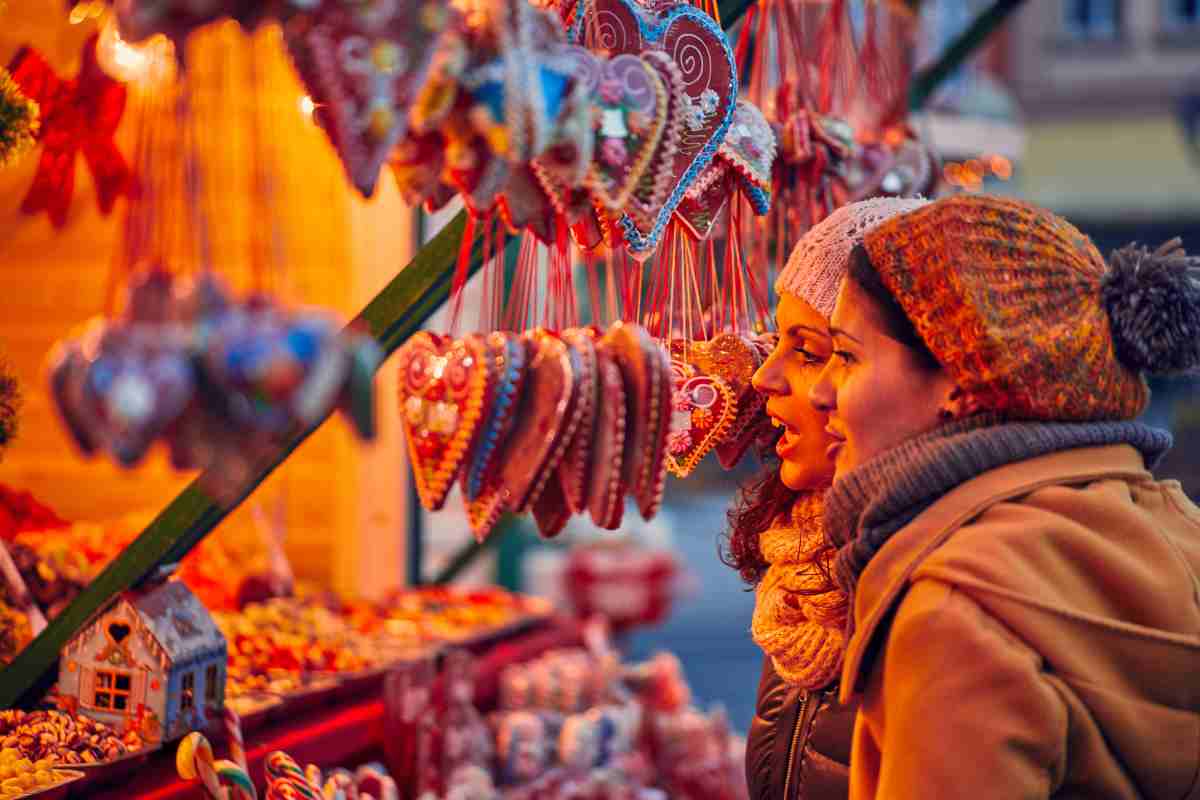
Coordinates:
column 819, row 261
column 1022, row 311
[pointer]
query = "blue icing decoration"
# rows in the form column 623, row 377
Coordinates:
column 504, row 399
column 303, row 344
column 491, row 94
column 760, row 199
column 554, row 89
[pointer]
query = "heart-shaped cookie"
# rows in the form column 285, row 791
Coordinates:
column 544, row 423
column 749, row 149
column 443, row 393
column 363, row 64
column 605, row 491
column 577, row 460
column 550, row 511
column 698, row 47
column 704, row 407
column 645, row 372
column 705, row 198
column 507, row 354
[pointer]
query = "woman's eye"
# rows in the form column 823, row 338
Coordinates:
column 809, row 356
column 843, row 356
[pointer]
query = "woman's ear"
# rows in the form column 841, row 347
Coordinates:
column 959, row 405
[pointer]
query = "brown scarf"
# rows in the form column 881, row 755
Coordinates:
column 803, row 633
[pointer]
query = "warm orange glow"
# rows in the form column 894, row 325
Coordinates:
column 1001, row 167
column 307, row 106
column 85, row 10
column 150, row 62
column 974, row 169
column 952, row 172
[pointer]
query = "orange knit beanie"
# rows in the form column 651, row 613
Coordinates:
column 1022, row 311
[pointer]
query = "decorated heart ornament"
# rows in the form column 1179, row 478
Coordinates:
column 577, row 459
column 703, row 409
column 749, row 149
column 696, row 45
column 507, row 354
column 363, row 64
column 704, row 200
column 543, row 425
column 605, row 492
column 443, row 388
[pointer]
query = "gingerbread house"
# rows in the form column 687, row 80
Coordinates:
column 154, row 662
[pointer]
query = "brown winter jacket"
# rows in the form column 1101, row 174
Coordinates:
column 798, row 747
column 1034, row 633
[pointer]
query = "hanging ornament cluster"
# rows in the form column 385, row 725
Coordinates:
column 603, row 117
column 554, row 423
column 219, row 381
column 79, row 115
column 19, row 120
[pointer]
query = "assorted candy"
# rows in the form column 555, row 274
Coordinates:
column 20, row 776
column 220, row 382
column 61, row 739
column 618, row 737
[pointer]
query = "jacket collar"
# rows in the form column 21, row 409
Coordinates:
column 886, row 576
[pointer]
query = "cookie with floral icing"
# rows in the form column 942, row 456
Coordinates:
column 443, row 391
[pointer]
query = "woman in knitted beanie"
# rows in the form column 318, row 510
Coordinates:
column 799, row 742
column 1026, row 608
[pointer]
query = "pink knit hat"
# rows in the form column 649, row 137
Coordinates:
column 815, row 269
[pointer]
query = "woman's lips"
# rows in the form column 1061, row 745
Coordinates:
column 835, row 447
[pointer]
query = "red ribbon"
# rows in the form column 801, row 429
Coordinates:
column 80, row 114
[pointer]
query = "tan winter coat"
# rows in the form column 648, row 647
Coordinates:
column 1035, row 633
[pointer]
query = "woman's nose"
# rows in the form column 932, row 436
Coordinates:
column 768, row 379
column 822, row 394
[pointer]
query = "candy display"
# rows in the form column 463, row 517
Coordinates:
column 60, row 739
column 572, row 723
column 20, row 777
column 219, row 381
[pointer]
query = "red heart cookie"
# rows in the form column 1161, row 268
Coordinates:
column 550, row 511
column 645, row 371
column 363, row 64
column 576, row 463
column 702, row 203
column 606, row 493
column 544, row 423
column 443, row 389
column 704, row 408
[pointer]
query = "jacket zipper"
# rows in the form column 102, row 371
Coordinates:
column 796, row 730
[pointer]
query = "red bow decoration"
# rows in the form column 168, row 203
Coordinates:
column 78, row 114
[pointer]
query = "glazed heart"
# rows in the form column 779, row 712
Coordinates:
column 363, row 64
column 577, row 460
column 508, row 358
column 704, row 409
column 749, row 149
column 702, row 203
column 631, row 104
column 605, row 489
column 698, row 47
column 443, row 389
column 543, row 426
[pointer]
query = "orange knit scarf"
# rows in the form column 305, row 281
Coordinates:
column 801, row 632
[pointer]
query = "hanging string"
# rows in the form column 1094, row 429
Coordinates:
column 459, row 282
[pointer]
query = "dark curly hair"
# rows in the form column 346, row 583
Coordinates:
column 759, row 502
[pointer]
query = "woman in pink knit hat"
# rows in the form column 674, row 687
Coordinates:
column 800, row 738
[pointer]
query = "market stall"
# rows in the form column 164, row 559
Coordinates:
column 631, row 176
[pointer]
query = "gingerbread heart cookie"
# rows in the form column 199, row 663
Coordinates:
column 363, row 64
column 544, row 424
column 699, row 49
column 443, row 391
column 703, row 409
column 605, row 491
column 577, row 459
column 507, row 353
